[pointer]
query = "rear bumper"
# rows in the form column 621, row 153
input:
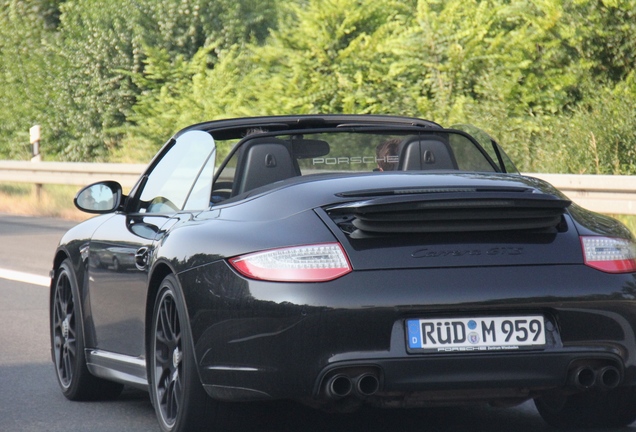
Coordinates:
column 401, row 376
column 260, row 340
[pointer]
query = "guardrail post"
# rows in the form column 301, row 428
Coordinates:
column 34, row 134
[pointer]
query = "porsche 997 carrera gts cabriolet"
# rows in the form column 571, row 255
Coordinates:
column 342, row 261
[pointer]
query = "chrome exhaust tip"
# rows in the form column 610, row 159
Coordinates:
column 609, row 377
column 583, row 377
column 367, row 384
column 338, row 386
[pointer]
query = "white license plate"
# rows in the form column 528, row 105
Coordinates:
column 476, row 333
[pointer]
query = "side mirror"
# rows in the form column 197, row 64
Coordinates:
column 102, row 197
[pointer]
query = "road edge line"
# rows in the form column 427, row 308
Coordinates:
column 25, row 277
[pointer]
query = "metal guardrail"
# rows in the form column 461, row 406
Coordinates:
column 601, row 193
column 69, row 173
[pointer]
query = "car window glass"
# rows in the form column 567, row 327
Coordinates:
column 354, row 152
column 170, row 182
column 222, row 189
column 272, row 158
column 508, row 164
column 468, row 156
column 200, row 195
column 359, row 152
column 487, row 144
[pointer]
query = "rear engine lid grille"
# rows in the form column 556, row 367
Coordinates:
column 439, row 211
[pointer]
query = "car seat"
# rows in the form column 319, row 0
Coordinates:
column 263, row 161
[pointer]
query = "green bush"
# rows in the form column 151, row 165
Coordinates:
column 552, row 81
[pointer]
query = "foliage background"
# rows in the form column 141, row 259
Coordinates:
column 109, row 80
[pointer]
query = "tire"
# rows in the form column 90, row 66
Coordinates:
column 177, row 395
column 591, row 409
column 67, row 342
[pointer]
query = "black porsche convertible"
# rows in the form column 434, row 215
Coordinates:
column 341, row 261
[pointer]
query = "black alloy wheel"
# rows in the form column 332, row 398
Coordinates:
column 64, row 331
column 180, row 402
column 67, row 340
column 168, row 356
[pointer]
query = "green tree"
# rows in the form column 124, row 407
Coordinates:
column 322, row 58
column 99, row 46
column 26, row 29
column 522, row 70
column 545, row 77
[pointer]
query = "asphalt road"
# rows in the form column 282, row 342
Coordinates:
column 30, row 399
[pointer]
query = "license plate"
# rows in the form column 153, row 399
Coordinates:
column 476, row 334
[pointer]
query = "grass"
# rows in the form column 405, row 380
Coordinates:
column 52, row 201
column 628, row 220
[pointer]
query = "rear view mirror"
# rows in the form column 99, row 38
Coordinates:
column 309, row 148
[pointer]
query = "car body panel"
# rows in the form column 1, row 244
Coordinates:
column 118, row 298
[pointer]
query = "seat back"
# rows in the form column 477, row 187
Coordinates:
column 426, row 153
column 263, row 161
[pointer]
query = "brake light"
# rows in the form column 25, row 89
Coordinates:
column 612, row 255
column 310, row 263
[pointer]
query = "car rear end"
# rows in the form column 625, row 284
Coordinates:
column 484, row 290
column 444, row 281
column 495, row 293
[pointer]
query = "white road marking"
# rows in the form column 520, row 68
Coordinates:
column 25, row 277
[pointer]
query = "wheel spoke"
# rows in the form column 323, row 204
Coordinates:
column 71, row 348
column 67, row 366
column 164, row 385
column 165, row 322
column 57, row 309
column 163, row 358
column 161, row 339
column 178, row 388
column 171, row 406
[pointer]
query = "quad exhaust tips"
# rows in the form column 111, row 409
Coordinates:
column 364, row 382
column 343, row 384
column 587, row 377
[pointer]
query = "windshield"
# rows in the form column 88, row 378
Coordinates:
column 262, row 158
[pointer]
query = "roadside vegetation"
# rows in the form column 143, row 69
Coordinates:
column 109, row 80
column 52, row 201
column 553, row 81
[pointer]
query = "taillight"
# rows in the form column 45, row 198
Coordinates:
column 311, row 263
column 612, row 255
